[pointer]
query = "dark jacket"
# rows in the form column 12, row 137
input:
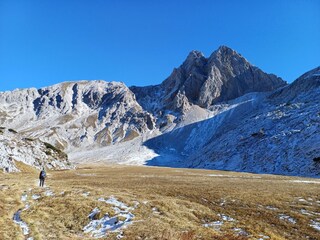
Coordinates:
column 42, row 174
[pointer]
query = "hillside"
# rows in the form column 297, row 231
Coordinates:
column 275, row 132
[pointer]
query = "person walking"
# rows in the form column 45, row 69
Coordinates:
column 42, row 177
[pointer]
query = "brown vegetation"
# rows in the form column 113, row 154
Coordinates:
column 173, row 203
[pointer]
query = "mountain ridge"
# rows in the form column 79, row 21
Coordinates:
column 204, row 81
column 181, row 122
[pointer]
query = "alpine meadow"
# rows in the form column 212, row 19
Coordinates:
column 216, row 148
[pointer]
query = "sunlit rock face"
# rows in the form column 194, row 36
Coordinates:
column 202, row 81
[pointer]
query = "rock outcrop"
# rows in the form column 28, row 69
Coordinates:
column 15, row 149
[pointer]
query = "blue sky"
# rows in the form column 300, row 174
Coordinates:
column 139, row 42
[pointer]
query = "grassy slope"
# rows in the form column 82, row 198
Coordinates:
column 185, row 199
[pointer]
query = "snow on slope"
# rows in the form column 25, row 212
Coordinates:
column 130, row 152
column 262, row 133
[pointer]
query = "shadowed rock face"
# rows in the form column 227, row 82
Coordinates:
column 307, row 82
column 223, row 76
column 276, row 132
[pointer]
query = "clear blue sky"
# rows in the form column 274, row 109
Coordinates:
column 139, row 42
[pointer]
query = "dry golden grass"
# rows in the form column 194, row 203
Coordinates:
column 183, row 199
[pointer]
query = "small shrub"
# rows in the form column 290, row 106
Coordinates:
column 49, row 146
column 12, row 130
column 48, row 153
column 29, row 139
column 57, row 150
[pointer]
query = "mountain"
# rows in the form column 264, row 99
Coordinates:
column 71, row 115
column 219, row 112
column 201, row 81
column 275, row 132
column 15, row 149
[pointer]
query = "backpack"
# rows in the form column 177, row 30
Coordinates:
column 43, row 174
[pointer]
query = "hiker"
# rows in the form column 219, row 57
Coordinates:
column 42, row 177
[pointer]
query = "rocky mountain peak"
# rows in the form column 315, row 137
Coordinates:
column 202, row 81
column 225, row 50
column 229, row 61
column 194, row 54
column 195, row 59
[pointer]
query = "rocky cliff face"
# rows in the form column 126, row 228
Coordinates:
column 201, row 81
column 15, row 149
column 76, row 114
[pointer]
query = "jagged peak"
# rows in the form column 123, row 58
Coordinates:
column 195, row 54
column 194, row 58
column 225, row 52
column 224, row 48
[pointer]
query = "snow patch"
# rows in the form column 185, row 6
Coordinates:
column 17, row 219
column 85, row 194
column 287, row 218
column 305, row 181
column 216, row 225
column 263, row 237
column 35, row 196
column 272, row 208
column 315, row 225
column 155, row 210
column 309, row 213
column 123, row 217
column 240, row 232
column 93, row 213
column 226, row 218
column 24, row 197
column 49, row 193
column 217, row 175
